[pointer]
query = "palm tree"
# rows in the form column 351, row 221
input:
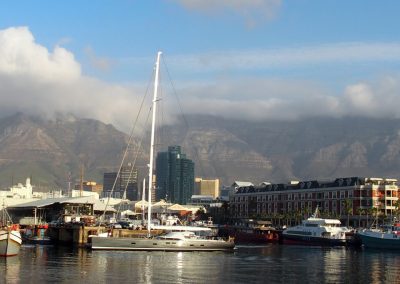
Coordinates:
column 348, row 209
column 298, row 216
column 368, row 212
column 397, row 208
column 225, row 208
column 360, row 212
column 307, row 211
column 375, row 212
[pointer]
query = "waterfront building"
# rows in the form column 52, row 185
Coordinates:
column 226, row 191
column 175, row 176
column 208, row 187
column 64, row 209
column 126, row 185
column 83, row 193
column 90, row 186
column 204, row 200
column 352, row 199
column 19, row 191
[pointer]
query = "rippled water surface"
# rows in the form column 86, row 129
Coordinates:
column 247, row 264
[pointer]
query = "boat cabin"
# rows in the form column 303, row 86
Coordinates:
column 318, row 222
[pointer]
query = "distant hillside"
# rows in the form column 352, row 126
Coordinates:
column 231, row 150
column 48, row 150
column 279, row 151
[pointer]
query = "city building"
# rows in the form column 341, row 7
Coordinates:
column 354, row 199
column 126, row 185
column 19, row 190
column 90, row 186
column 208, row 187
column 175, row 176
column 226, row 191
column 202, row 199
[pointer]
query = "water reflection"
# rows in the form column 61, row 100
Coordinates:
column 247, row 264
column 10, row 269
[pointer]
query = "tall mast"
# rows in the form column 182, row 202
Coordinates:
column 143, row 199
column 153, row 127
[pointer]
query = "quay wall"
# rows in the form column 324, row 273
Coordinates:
column 78, row 234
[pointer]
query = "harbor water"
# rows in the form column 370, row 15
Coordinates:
column 247, row 264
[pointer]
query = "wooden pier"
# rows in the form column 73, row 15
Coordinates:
column 77, row 234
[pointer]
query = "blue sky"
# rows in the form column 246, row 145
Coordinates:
column 252, row 59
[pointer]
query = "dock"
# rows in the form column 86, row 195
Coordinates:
column 78, row 234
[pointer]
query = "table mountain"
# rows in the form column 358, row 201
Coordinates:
column 277, row 151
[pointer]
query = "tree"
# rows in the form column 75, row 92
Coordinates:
column 225, row 210
column 201, row 214
column 397, row 208
column 360, row 212
column 348, row 209
column 369, row 212
column 375, row 213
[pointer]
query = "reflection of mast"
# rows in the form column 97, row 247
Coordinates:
column 153, row 126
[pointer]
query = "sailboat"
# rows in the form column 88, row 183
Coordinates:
column 10, row 237
column 176, row 238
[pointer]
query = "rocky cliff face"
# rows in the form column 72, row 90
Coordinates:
column 273, row 151
column 47, row 150
column 280, row 151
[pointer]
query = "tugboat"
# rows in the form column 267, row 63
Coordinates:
column 317, row 231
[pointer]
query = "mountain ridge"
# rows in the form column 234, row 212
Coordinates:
column 276, row 151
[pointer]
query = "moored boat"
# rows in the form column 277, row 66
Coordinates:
column 10, row 240
column 176, row 238
column 10, row 237
column 317, row 231
column 181, row 240
column 36, row 235
column 253, row 232
column 388, row 237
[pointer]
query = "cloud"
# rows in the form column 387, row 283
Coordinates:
column 99, row 63
column 284, row 99
column 253, row 11
column 36, row 80
column 261, row 99
column 284, row 58
column 373, row 99
column 20, row 55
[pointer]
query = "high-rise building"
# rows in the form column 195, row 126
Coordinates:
column 175, row 176
column 126, row 185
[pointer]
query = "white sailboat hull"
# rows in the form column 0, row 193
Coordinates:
column 149, row 244
column 10, row 242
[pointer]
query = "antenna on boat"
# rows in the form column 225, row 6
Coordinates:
column 153, row 124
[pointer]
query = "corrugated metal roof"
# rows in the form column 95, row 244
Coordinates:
column 97, row 204
column 242, row 183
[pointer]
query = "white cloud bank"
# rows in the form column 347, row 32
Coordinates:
column 283, row 58
column 35, row 80
column 269, row 99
